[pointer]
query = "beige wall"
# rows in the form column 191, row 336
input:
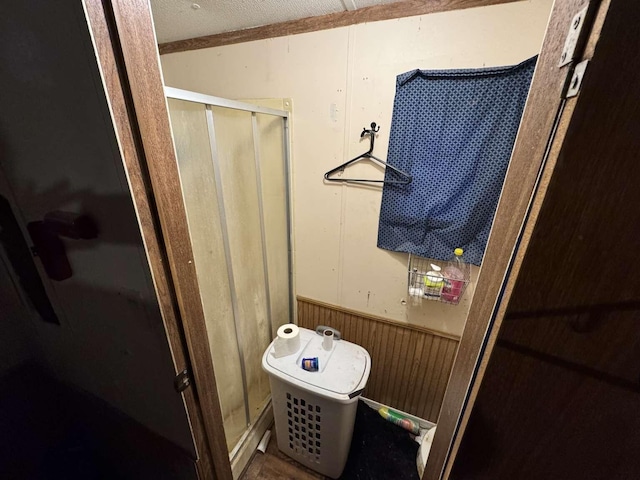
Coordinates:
column 340, row 81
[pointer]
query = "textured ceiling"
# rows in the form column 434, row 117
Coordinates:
column 181, row 19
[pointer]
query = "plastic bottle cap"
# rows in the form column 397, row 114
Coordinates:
column 458, row 252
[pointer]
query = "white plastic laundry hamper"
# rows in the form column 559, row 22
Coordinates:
column 315, row 411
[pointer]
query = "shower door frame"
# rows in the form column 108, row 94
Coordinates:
column 210, row 101
column 247, row 443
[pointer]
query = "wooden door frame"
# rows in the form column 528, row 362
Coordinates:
column 125, row 44
column 544, row 125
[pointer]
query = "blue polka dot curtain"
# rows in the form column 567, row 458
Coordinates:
column 453, row 131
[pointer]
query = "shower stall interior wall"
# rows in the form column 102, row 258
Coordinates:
column 234, row 172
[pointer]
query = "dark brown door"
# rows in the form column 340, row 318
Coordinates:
column 107, row 325
column 125, row 46
column 561, row 392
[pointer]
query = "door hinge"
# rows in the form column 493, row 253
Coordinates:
column 182, row 381
column 573, row 35
column 576, row 79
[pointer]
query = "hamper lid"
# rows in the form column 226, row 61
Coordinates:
column 342, row 372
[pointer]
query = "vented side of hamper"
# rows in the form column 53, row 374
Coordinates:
column 312, row 430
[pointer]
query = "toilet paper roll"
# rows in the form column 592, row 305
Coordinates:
column 288, row 340
column 327, row 339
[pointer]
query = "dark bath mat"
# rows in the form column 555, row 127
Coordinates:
column 380, row 450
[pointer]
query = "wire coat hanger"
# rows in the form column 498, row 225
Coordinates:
column 403, row 177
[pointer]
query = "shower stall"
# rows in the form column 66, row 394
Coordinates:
column 233, row 159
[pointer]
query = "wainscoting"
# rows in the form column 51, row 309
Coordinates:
column 410, row 366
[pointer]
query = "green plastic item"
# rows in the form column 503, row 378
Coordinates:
column 400, row 420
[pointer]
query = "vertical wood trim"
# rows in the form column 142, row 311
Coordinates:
column 409, row 366
column 388, row 337
column 373, row 13
column 507, row 243
column 431, row 380
column 418, row 380
column 136, row 38
column 143, row 203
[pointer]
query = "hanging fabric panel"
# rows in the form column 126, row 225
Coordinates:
column 453, row 131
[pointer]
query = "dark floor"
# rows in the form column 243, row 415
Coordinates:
column 379, row 451
column 49, row 431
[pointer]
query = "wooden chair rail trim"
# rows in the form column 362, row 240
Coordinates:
column 373, row 13
column 378, row 319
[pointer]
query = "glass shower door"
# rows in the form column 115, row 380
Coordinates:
column 238, row 187
column 234, row 175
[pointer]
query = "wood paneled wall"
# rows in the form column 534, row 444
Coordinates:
column 410, row 366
